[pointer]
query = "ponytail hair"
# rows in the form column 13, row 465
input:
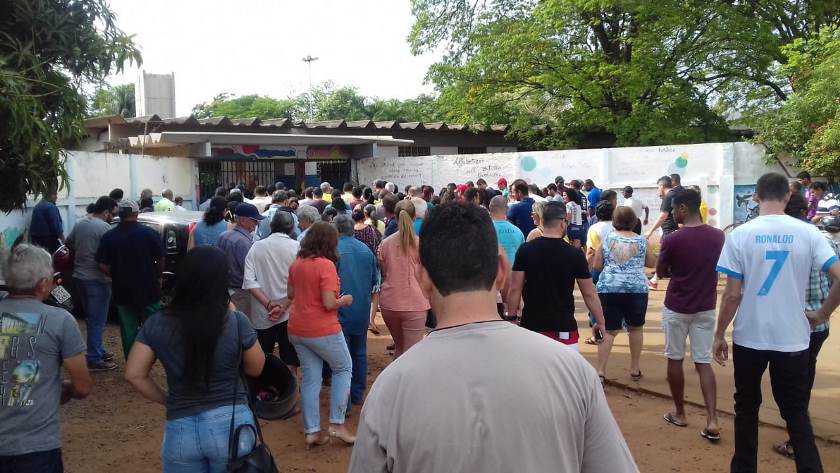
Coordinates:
column 405, row 217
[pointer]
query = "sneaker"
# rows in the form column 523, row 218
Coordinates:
column 653, row 286
column 107, row 356
column 101, row 365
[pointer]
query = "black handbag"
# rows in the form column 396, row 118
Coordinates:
column 260, row 459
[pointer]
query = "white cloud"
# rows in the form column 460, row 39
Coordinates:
column 253, row 46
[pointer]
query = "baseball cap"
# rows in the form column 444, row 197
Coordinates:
column 502, row 182
column 248, row 211
column 126, row 205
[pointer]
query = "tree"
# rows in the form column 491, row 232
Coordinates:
column 117, row 100
column 48, row 50
column 247, row 106
column 807, row 125
column 643, row 72
column 328, row 102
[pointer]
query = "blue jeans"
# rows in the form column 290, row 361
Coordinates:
column 96, row 297
column 313, row 352
column 199, row 443
column 48, row 461
column 357, row 345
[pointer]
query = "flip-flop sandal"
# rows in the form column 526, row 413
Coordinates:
column 671, row 420
column 710, row 436
column 590, row 341
column 784, row 449
column 636, row 377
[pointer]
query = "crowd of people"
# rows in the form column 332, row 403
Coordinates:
column 475, row 283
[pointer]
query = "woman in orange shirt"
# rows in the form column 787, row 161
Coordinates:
column 316, row 334
column 403, row 304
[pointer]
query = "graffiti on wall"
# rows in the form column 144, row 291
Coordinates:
column 743, row 202
column 253, row 152
column 327, row 152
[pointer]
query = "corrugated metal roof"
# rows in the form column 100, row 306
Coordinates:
column 189, row 120
column 278, row 122
column 253, row 121
column 221, row 122
column 216, row 121
column 360, row 124
column 326, row 124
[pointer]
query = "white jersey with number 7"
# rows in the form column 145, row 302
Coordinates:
column 773, row 255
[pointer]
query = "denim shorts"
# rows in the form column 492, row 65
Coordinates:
column 576, row 232
column 624, row 308
column 199, row 443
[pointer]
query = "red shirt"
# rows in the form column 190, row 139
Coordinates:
column 309, row 318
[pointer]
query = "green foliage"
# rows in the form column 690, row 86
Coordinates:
column 247, row 106
column 807, row 125
column 327, row 102
column 642, row 72
column 48, row 50
column 117, row 100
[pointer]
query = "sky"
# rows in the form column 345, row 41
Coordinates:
column 256, row 46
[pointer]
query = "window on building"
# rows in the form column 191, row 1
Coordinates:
column 414, row 151
column 472, row 149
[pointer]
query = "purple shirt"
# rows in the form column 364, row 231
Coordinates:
column 690, row 254
column 813, row 205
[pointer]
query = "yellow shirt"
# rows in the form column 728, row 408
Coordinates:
column 704, row 210
column 327, row 198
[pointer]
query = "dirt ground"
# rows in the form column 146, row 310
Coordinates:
column 115, row 430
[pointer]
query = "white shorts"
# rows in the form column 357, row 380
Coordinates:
column 699, row 328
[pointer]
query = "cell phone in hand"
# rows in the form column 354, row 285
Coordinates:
column 599, row 335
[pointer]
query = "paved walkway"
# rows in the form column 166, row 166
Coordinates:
column 825, row 397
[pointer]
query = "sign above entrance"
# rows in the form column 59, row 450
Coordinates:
column 254, row 152
column 327, row 152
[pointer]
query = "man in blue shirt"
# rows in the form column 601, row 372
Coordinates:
column 357, row 272
column 510, row 237
column 236, row 243
column 520, row 213
column 46, row 228
column 593, row 195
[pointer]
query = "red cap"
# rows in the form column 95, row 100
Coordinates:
column 462, row 188
column 502, row 182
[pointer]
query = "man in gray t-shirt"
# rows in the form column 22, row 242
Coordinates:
column 93, row 285
column 35, row 341
column 480, row 394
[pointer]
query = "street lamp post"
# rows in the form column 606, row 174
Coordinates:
column 308, row 60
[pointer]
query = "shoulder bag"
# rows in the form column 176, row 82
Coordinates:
column 259, row 460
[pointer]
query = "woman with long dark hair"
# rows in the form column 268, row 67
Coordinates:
column 199, row 340
column 213, row 224
column 403, row 304
column 315, row 332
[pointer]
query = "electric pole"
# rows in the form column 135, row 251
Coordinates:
column 308, row 60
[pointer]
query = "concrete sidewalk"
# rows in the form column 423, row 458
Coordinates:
column 825, row 397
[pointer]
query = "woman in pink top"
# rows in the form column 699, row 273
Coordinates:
column 403, row 304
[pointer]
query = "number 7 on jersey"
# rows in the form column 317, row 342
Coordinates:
column 778, row 258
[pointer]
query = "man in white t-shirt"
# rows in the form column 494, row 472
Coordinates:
column 455, row 411
column 768, row 262
column 638, row 206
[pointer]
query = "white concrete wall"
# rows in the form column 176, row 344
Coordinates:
column 92, row 175
column 380, row 151
column 715, row 167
